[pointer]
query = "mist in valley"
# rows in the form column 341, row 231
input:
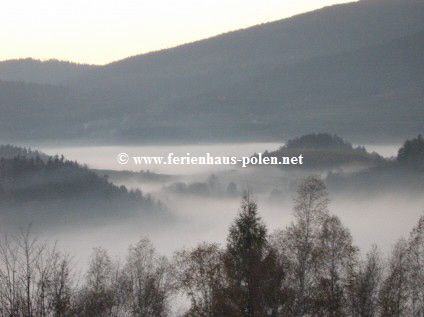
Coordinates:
column 204, row 200
column 89, row 228
column 181, row 207
column 95, row 212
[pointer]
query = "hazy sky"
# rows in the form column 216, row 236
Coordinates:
column 101, row 31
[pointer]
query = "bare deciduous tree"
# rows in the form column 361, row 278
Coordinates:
column 336, row 263
column 96, row 298
column 199, row 273
column 394, row 291
column 416, row 269
column 147, row 281
column 302, row 238
column 34, row 278
column 367, row 281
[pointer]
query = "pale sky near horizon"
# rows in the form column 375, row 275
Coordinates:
column 99, row 32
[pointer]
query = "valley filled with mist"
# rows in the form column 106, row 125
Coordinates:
column 106, row 208
column 97, row 211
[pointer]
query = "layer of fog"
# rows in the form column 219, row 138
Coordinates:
column 105, row 157
column 381, row 219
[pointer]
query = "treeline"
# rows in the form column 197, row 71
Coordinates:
column 52, row 72
column 310, row 268
column 32, row 178
column 404, row 172
column 352, row 169
column 28, row 175
column 324, row 150
column 37, row 280
column 411, row 154
column 53, row 187
column 9, row 151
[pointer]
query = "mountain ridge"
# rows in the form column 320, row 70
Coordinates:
column 52, row 72
column 246, row 85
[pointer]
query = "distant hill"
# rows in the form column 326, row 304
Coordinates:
column 9, row 151
column 52, row 72
column 349, row 169
column 57, row 191
column 403, row 174
column 235, row 55
column 355, row 69
column 139, row 177
column 411, row 154
column 326, row 151
column 358, row 93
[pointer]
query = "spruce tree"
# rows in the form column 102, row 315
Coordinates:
column 246, row 246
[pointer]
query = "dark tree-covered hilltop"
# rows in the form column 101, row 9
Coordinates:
column 51, row 72
column 405, row 172
column 411, row 154
column 351, row 168
column 47, row 190
column 324, row 150
column 9, row 151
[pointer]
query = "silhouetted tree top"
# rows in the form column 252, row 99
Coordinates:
column 320, row 141
column 323, row 150
column 412, row 152
column 61, row 187
column 9, row 151
column 248, row 233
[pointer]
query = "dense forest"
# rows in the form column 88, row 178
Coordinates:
column 41, row 72
column 311, row 267
column 404, row 172
column 346, row 169
column 351, row 168
column 37, row 187
column 324, row 150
